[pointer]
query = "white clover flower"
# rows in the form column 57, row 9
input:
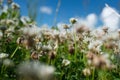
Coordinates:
column 9, row 22
column 95, row 45
column 65, row 62
column 35, row 71
column 25, row 19
column 31, row 30
column 15, row 6
column 73, row 20
column 3, row 55
column 55, row 32
column 46, row 47
column 39, row 45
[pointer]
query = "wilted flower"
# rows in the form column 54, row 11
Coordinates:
column 35, row 71
column 35, row 55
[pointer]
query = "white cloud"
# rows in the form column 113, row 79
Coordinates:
column 89, row 21
column 110, row 17
column 46, row 10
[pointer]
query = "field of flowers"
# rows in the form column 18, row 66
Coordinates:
column 72, row 52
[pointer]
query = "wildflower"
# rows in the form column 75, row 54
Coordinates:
column 25, row 19
column 47, row 47
column 15, row 6
column 99, row 61
column 35, row 55
column 65, row 62
column 95, row 46
column 73, row 20
column 9, row 22
column 30, row 31
column 35, row 71
column 87, row 72
column 105, row 29
column 20, row 40
column 81, row 29
column 3, row 55
column 65, row 26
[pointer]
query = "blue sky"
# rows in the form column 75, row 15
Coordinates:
column 68, row 9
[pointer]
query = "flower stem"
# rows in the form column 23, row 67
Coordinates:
column 14, row 52
column 93, row 75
